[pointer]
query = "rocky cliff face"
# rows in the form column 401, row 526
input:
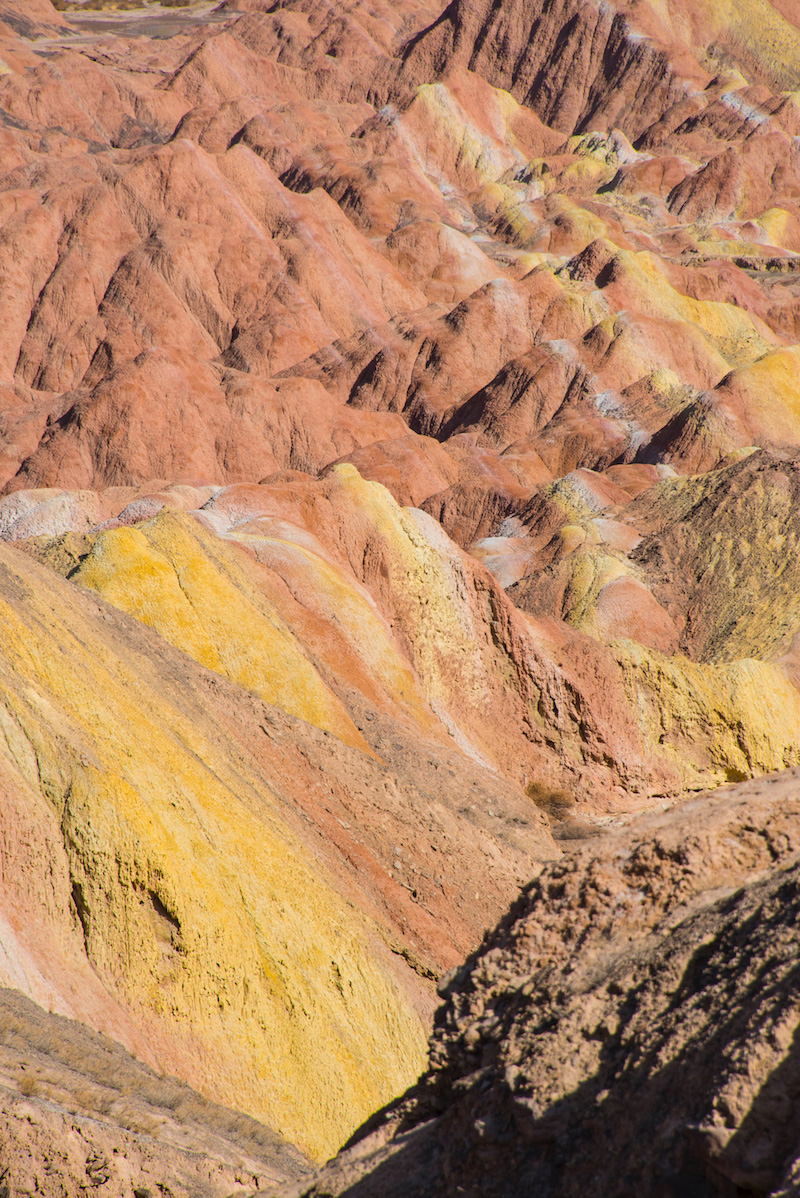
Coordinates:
column 399, row 431
column 629, row 1028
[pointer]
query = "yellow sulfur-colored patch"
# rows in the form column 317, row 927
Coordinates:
column 590, row 574
column 780, row 227
column 587, row 171
column 201, row 911
column 715, row 724
column 180, row 580
column 769, row 393
column 729, row 330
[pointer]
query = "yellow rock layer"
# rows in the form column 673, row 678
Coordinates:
column 200, row 910
column 729, row 330
column 768, row 395
column 173, row 575
column 708, row 723
column 714, row 724
column 449, row 637
column 338, row 601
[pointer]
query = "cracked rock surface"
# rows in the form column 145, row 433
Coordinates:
column 630, row 1027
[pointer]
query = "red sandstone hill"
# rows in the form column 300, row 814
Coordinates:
column 399, row 429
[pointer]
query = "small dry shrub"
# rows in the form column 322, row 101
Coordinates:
column 574, row 831
column 69, row 1054
column 190, row 1106
column 555, row 803
column 96, row 1100
column 28, row 1086
column 137, row 1121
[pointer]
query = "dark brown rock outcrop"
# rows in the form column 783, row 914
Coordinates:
column 629, row 1028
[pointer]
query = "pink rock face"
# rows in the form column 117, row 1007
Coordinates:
column 183, row 216
column 576, row 66
column 32, row 18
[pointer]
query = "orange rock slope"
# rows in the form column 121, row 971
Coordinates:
column 398, row 408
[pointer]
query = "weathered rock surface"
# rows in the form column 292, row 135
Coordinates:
column 312, row 593
column 297, row 280
column 234, row 892
column 532, row 268
column 78, row 1113
column 629, row 1028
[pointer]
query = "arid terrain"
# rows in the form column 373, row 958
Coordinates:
column 631, row 1026
column 399, row 513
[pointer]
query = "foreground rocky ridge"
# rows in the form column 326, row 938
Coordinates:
column 393, row 416
column 78, row 1113
column 629, row 1027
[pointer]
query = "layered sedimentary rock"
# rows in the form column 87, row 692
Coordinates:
column 398, row 409
column 179, row 911
column 211, row 808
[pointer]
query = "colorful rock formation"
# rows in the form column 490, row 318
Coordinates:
column 398, row 422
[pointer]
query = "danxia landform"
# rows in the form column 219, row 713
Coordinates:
column 399, row 513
